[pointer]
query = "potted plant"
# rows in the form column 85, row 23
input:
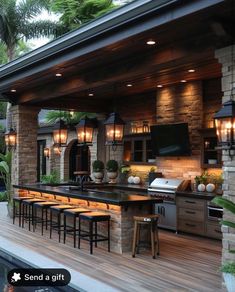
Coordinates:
column 51, row 179
column 228, row 268
column 112, row 170
column 5, row 174
column 98, row 170
column 124, row 171
column 201, row 181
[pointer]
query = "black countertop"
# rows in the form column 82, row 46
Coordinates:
column 196, row 195
column 107, row 197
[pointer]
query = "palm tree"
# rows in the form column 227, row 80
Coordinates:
column 17, row 23
column 76, row 12
column 68, row 117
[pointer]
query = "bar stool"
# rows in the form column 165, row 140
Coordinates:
column 27, row 210
column 74, row 213
column 93, row 217
column 57, row 225
column 152, row 221
column 44, row 206
column 17, row 212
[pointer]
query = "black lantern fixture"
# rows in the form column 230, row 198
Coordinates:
column 114, row 129
column 225, row 117
column 46, row 152
column 225, row 125
column 10, row 138
column 60, row 133
column 84, row 131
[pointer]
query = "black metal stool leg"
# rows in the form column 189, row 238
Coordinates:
column 22, row 225
column 91, row 236
column 79, row 231
column 20, row 214
column 65, row 228
column 42, row 214
column 95, row 234
column 14, row 211
column 59, row 223
column 74, row 231
column 50, row 223
column 108, row 235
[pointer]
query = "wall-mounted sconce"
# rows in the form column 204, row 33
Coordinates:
column 46, row 152
column 57, row 149
column 10, row 138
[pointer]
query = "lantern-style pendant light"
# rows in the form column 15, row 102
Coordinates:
column 10, row 138
column 84, row 131
column 114, row 129
column 60, row 133
column 225, row 125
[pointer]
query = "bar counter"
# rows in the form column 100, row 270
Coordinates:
column 121, row 206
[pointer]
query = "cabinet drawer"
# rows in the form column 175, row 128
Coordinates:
column 191, row 226
column 191, row 203
column 214, row 230
column 191, row 214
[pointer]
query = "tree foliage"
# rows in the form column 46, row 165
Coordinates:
column 17, row 23
column 66, row 116
column 76, row 12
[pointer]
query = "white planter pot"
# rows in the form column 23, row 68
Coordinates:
column 98, row 177
column 112, row 176
column 229, row 280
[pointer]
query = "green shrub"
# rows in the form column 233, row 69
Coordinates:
column 229, row 268
column 112, row 166
column 52, row 178
column 3, row 196
column 98, row 166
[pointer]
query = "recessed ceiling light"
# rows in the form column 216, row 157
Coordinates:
column 191, row 70
column 129, row 85
column 91, row 94
column 159, row 85
column 150, row 42
column 183, row 81
column 13, row 90
column 58, row 74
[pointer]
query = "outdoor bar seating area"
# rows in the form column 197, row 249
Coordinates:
column 86, row 216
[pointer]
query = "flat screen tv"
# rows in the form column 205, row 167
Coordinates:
column 170, row 140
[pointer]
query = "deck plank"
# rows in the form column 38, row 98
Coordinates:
column 186, row 263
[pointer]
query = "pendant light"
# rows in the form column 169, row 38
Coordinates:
column 225, row 118
column 60, row 133
column 114, row 129
column 85, row 129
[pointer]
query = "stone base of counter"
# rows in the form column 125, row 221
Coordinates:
column 122, row 223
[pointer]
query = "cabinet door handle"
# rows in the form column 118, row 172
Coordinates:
column 191, row 225
column 190, row 212
column 190, row 202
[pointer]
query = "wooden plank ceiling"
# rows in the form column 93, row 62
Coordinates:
column 92, row 82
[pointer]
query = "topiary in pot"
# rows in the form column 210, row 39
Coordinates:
column 98, row 170
column 112, row 170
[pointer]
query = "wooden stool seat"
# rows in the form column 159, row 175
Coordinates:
column 18, row 199
column 61, row 208
column 32, row 201
column 94, row 217
column 152, row 221
column 45, row 204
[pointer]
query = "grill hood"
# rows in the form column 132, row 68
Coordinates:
column 166, row 185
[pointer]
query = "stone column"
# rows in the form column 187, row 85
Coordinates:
column 24, row 160
column 224, row 57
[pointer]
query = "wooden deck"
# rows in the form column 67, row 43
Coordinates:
column 186, row 263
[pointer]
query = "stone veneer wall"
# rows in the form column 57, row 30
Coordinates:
column 24, row 162
column 224, row 56
column 176, row 104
